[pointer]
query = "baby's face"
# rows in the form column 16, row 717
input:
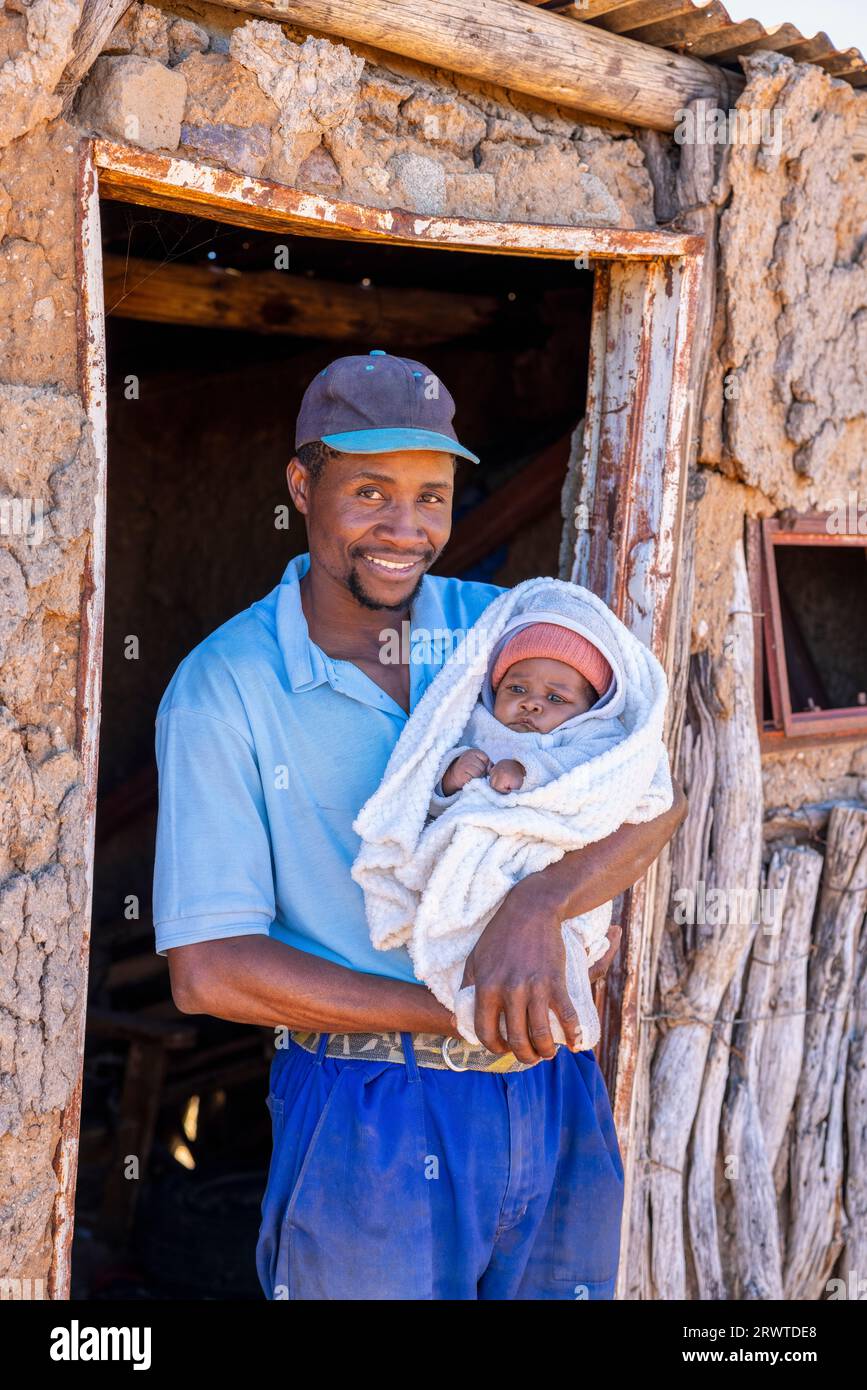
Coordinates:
column 538, row 694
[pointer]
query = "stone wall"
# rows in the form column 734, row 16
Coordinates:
column 785, row 410
column 357, row 125
column 46, row 462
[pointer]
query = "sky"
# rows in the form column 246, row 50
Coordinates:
column 844, row 21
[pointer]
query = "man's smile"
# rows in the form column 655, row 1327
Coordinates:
column 391, row 566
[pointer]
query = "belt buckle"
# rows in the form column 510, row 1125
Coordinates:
column 452, row 1066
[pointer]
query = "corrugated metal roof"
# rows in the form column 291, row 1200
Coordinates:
column 704, row 29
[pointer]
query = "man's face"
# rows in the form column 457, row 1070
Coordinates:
column 377, row 522
column 537, row 694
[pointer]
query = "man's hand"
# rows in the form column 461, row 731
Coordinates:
column 518, row 963
column 472, row 763
column 518, row 967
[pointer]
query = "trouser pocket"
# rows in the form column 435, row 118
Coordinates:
column 355, row 1222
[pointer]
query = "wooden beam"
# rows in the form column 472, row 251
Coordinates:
column 523, row 48
column 679, row 30
column 136, row 1124
column 135, row 970
column 91, row 367
column 277, row 302
column 733, row 34
column 519, row 502
column 172, row 1033
column 776, row 40
column 98, row 18
column 642, row 13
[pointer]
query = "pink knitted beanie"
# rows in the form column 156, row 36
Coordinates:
column 559, row 644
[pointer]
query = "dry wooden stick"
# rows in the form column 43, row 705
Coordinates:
column 764, row 1071
column 795, row 874
column 854, row 1261
column 702, row 1214
column 733, row 864
column 816, row 1225
column 98, row 18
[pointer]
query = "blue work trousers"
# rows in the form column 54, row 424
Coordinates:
column 394, row 1181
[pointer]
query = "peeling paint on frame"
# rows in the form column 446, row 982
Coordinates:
column 90, row 329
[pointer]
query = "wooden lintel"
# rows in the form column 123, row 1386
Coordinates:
column 132, row 175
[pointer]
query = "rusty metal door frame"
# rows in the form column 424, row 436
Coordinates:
column 637, row 427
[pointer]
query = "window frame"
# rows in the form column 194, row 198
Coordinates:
column 788, row 728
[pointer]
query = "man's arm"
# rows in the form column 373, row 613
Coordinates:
column 518, row 963
column 255, row 979
column 214, row 873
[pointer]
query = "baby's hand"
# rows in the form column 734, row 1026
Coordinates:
column 506, row 776
column 472, row 763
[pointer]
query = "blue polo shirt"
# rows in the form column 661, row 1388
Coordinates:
column 267, row 749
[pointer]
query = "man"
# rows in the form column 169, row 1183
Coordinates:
column 405, row 1164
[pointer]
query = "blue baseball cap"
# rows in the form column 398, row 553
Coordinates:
column 378, row 404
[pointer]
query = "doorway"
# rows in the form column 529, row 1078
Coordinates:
column 209, row 348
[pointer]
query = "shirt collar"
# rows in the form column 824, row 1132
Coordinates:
column 306, row 664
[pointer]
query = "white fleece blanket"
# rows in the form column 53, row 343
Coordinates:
column 434, row 884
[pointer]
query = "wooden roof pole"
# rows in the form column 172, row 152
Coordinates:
column 98, row 18
column 270, row 301
column 526, row 49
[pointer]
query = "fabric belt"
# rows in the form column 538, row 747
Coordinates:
column 430, row 1049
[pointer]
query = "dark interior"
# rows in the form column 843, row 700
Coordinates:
column 823, row 603
column 175, row 1133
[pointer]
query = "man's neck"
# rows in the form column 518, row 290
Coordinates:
column 340, row 625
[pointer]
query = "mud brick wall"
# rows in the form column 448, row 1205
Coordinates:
column 355, row 124
column 46, row 468
column 785, row 409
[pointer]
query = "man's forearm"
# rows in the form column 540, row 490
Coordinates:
column 255, row 979
column 586, row 878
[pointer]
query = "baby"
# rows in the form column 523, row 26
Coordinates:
column 542, row 678
column 545, row 738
